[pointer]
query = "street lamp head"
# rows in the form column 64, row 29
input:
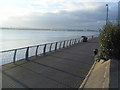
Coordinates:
column 106, row 4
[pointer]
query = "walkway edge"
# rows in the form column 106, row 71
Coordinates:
column 88, row 75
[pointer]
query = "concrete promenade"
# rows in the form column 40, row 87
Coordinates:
column 65, row 68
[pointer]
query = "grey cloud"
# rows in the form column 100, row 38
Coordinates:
column 80, row 19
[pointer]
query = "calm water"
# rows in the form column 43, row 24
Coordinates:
column 10, row 39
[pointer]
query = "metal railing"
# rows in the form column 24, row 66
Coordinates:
column 24, row 53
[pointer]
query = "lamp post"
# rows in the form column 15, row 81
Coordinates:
column 119, row 13
column 107, row 14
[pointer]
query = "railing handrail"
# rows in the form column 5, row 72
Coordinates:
column 35, row 45
column 53, row 47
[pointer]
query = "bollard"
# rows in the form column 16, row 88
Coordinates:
column 95, row 51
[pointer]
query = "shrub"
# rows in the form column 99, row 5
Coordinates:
column 109, row 42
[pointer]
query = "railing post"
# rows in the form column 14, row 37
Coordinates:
column 37, row 50
column 60, row 45
column 75, row 41
column 70, row 43
column 44, row 49
column 14, row 56
column 56, row 46
column 78, row 40
column 27, row 54
column 50, row 47
column 67, row 43
column 64, row 44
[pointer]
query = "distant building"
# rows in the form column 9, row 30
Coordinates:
column 119, row 13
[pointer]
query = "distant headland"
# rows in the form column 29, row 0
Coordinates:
column 8, row 28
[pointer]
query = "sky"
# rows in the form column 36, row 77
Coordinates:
column 56, row 14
